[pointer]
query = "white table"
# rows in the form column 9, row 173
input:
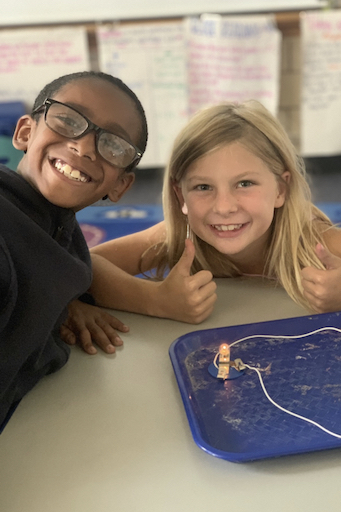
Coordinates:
column 110, row 433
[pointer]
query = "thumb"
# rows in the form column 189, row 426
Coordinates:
column 329, row 260
column 184, row 264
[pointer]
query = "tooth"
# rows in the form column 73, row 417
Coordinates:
column 75, row 174
column 229, row 227
column 67, row 169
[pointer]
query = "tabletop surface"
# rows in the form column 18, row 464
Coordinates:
column 110, row 432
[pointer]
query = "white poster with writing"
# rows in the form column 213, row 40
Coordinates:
column 233, row 58
column 321, row 83
column 150, row 59
column 31, row 58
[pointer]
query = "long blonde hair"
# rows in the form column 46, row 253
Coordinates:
column 294, row 234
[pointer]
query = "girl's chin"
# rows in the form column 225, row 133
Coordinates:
column 224, row 247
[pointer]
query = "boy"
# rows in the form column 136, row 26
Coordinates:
column 86, row 134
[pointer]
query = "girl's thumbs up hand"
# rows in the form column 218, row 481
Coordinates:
column 323, row 287
column 185, row 297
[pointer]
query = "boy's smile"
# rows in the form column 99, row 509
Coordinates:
column 70, row 172
column 231, row 196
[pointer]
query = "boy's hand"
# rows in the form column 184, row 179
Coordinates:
column 323, row 287
column 88, row 324
column 185, row 297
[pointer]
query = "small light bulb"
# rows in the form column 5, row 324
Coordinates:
column 224, row 349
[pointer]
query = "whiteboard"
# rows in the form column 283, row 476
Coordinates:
column 321, row 79
column 24, row 12
column 179, row 67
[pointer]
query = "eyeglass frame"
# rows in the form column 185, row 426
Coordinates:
column 48, row 102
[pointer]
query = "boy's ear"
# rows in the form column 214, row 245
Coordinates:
column 121, row 186
column 22, row 132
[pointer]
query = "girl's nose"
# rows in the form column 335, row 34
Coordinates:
column 225, row 203
column 85, row 146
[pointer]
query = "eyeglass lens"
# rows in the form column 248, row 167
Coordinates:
column 69, row 123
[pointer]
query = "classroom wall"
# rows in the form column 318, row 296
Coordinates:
column 290, row 75
column 289, row 99
column 290, row 94
column 16, row 12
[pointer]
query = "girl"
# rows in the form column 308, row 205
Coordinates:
column 237, row 188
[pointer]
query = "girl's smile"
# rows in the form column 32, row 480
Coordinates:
column 227, row 230
column 231, row 196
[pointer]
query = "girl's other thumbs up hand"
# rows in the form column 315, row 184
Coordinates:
column 329, row 260
column 323, row 287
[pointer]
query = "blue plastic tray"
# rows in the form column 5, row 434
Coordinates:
column 233, row 419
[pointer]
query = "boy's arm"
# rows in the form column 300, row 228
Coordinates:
column 89, row 325
column 8, row 289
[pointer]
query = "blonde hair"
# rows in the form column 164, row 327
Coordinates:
column 294, row 234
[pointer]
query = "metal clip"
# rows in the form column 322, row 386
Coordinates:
column 238, row 364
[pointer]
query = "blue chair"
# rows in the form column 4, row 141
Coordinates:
column 9, row 115
column 102, row 223
column 333, row 210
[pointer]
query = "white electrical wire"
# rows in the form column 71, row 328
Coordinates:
column 286, row 410
column 285, row 337
column 261, row 378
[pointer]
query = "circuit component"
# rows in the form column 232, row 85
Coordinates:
column 223, row 361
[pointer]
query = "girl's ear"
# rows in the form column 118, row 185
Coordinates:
column 282, row 188
column 178, row 193
column 121, row 186
column 286, row 176
column 22, row 132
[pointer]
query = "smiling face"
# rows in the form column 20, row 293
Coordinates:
column 230, row 196
column 71, row 173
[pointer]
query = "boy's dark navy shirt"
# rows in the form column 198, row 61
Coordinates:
column 44, row 264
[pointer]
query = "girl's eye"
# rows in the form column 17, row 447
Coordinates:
column 245, row 183
column 202, row 187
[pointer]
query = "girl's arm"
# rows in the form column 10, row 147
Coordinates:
column 126, row 252
column 180, row 296
column 115, row 263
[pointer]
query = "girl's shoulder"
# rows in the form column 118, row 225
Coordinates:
column 331, row 236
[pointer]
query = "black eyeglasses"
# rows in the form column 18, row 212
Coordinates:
column 70, row 123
